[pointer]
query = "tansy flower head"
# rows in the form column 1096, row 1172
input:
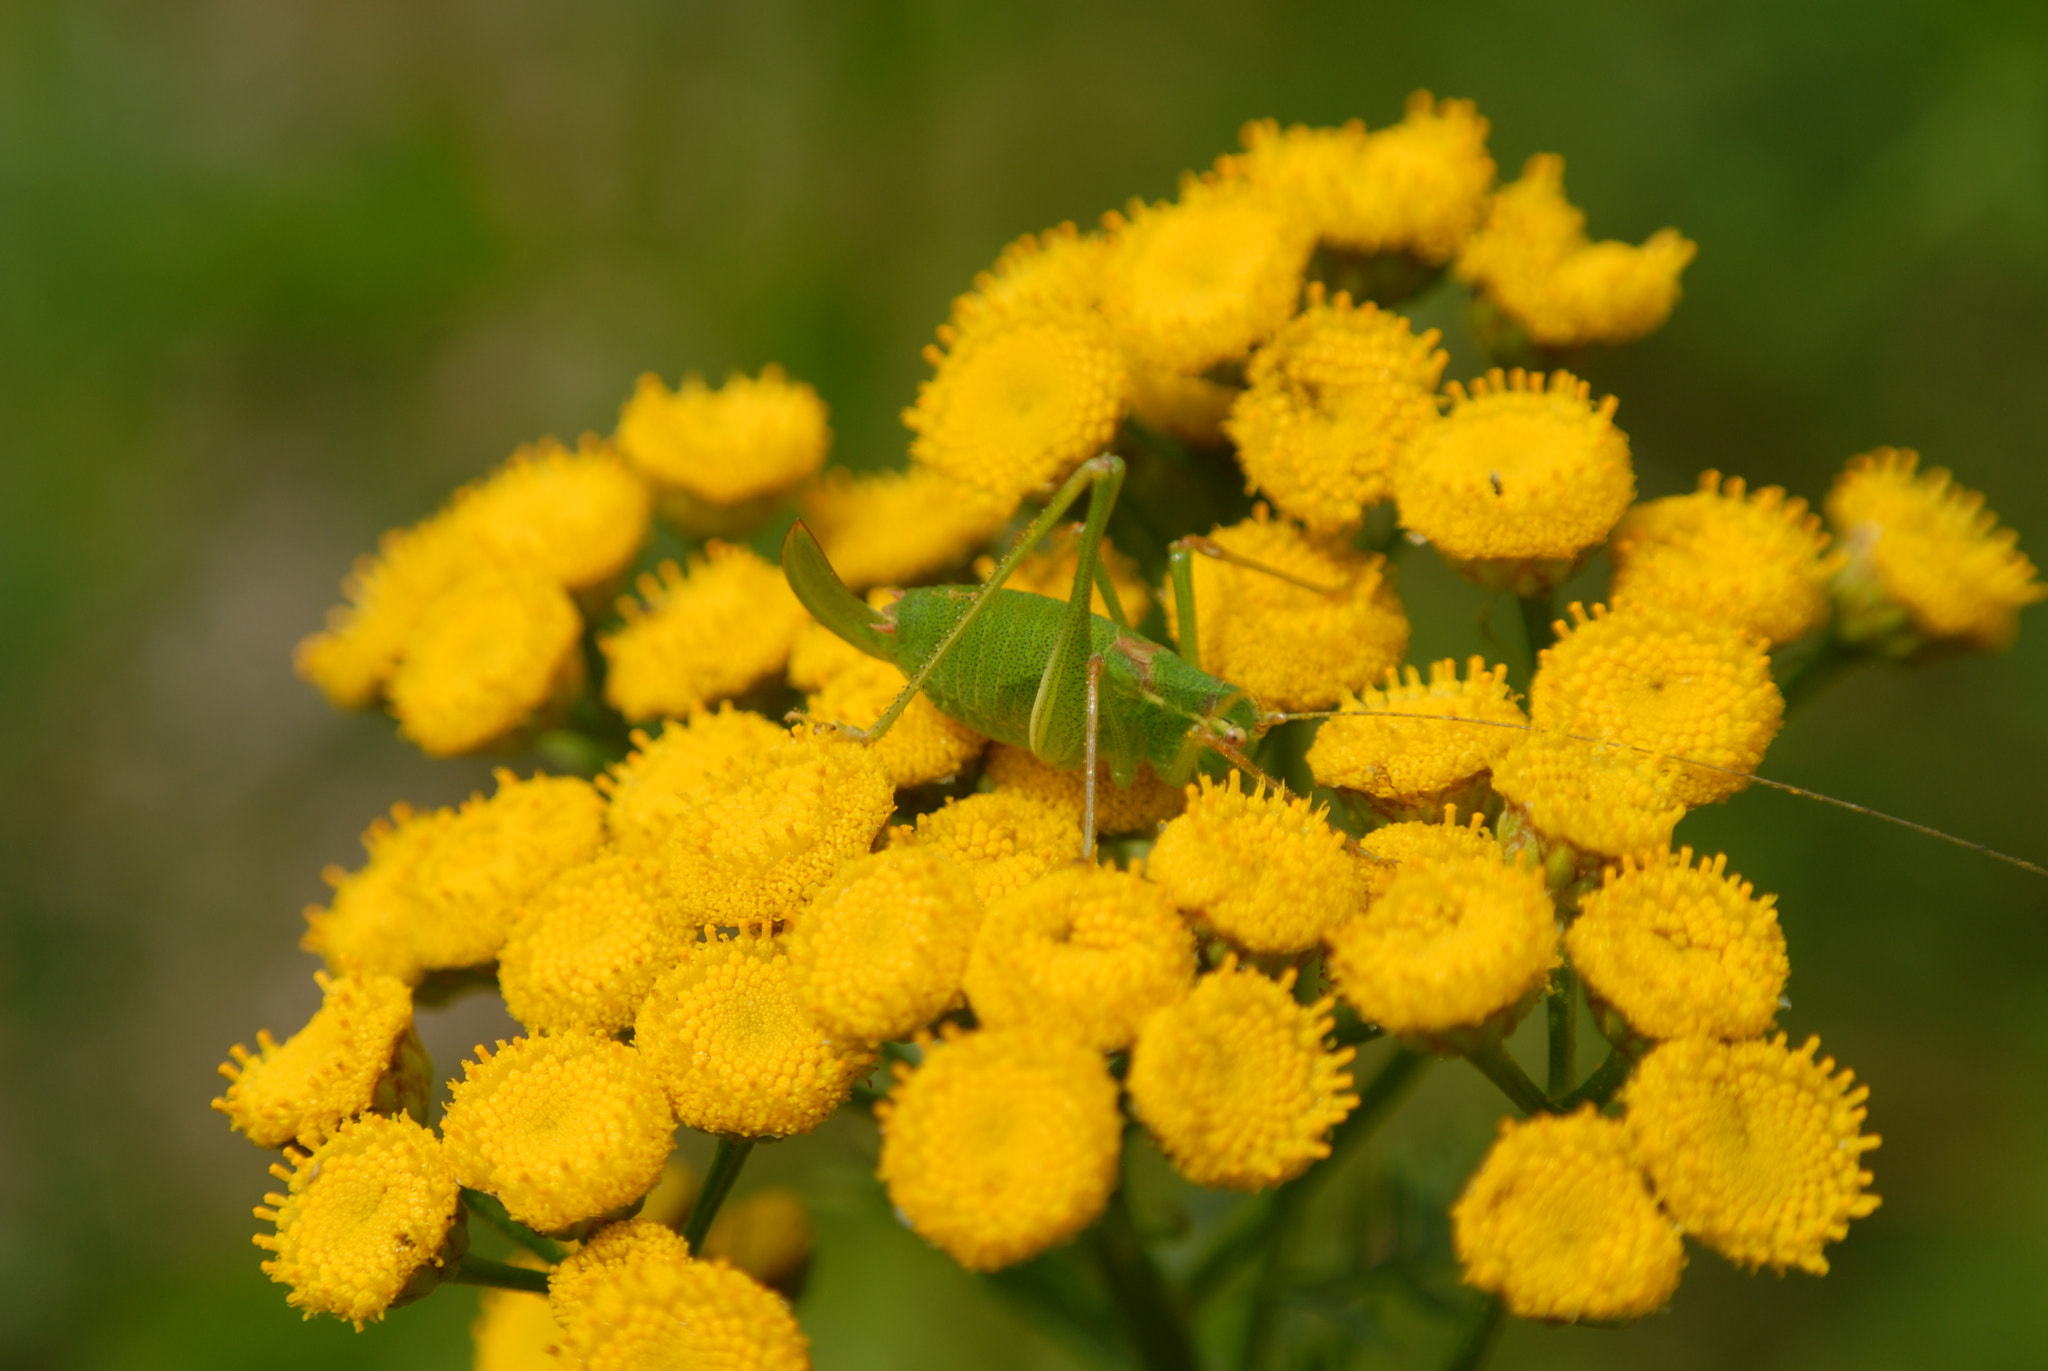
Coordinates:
column 1054, row 274
column 922, row 746
column 1264, row 870
column 1137, row 808
column 767, row 1234
column 721, row 455
column 1409, row 768
column 1332, row 399
column 1294, row 647
column 1564, row 793
column 1559, row 1224
column 708, row 753
column 1662, row 682
column 1756, row 1150
column 487, row 660
column 369, row 1220
column 1928, row 565
column 1235, row 1082
column 328, row 1071
column 1004, row 839
column 1531, row 258
column 657, row 1315
column 1518, row 480
column 378, row 913
column 882, row 950
column 577, row 517
column 695, row 638
column 1753, row 562
column 736, row 1047
column 1451, row 946
column 1681, row 951
column 899, row 527
column 1390, row 849
column 1195, row 283
column 610, row 1252
column 387, row 595
column 1001, row 1144
column 1089, row 949
column 561, row 1129
column 1421, row 185
column 1049, row 570
column 586, row 950
column 757, row 855
column 1014, row 405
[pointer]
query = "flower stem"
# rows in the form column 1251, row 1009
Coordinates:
column 487, row 1208
column 1819, row 670
column 1562, row 1011
column 1601, row 1085
column 482, row 1271
column 725, row 1169
column 1497, row 1066
column 1138, row 1292
column 1481, row 1338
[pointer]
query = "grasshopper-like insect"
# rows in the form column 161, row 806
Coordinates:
column 1075, row 687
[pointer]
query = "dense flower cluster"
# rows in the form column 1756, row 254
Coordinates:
column 747, row 921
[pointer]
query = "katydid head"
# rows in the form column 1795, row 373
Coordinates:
column 818, row 587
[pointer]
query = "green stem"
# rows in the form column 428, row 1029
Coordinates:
column 1375, row 1102
column 1138, row 1292
column 1263, row 1320
column 1562, row 1012
column 482, row 1271
column 1539, row 612
column 1822, row 669
column 487, row 1208
column 1599, row 1087
column 725, row 1169
column 1480, row 1340
column 1497, row 1066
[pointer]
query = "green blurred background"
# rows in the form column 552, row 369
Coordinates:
column 275, row 275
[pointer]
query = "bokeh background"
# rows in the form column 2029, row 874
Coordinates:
column 275, row 275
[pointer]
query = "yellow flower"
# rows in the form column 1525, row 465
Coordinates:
column 1680, row 951
column 329, row 1070
column 708, row 753
column 1332, row 399
column 561, row 1129
column 488, row 659
column 1390, row 849
column 1558, row 1223
column 1049, row 570
column 882, row 950
column 1290, row 646
column 1235, row 1082
column 767, row 1234
column 588, row 948
column 513, row 1331
column 756, row 855
column 1054, row 274
column 578, row 517
column 1755, row 1149
column 1659, row 681
column 1928, row 565
column 611, row 1251
column 899, row 527
column 743, row 444
column 1600, row 800
column 1753, row 561
column 1520, row 479
column 1146, row 804
column 1004, row 839
column 1531, row 258
column 1001, row 1144
column 658, row 1315
column 1014, row 405
column 369, row 1220
column 1410, row 768
column 387, row 593
column 1451, row 943
column 716, row 632
column 849, row 687
column 1089, row 949
column 1195, row 283
column 736, row 1047
column 1262, row 869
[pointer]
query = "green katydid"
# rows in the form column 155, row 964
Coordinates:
column 1075, row 687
